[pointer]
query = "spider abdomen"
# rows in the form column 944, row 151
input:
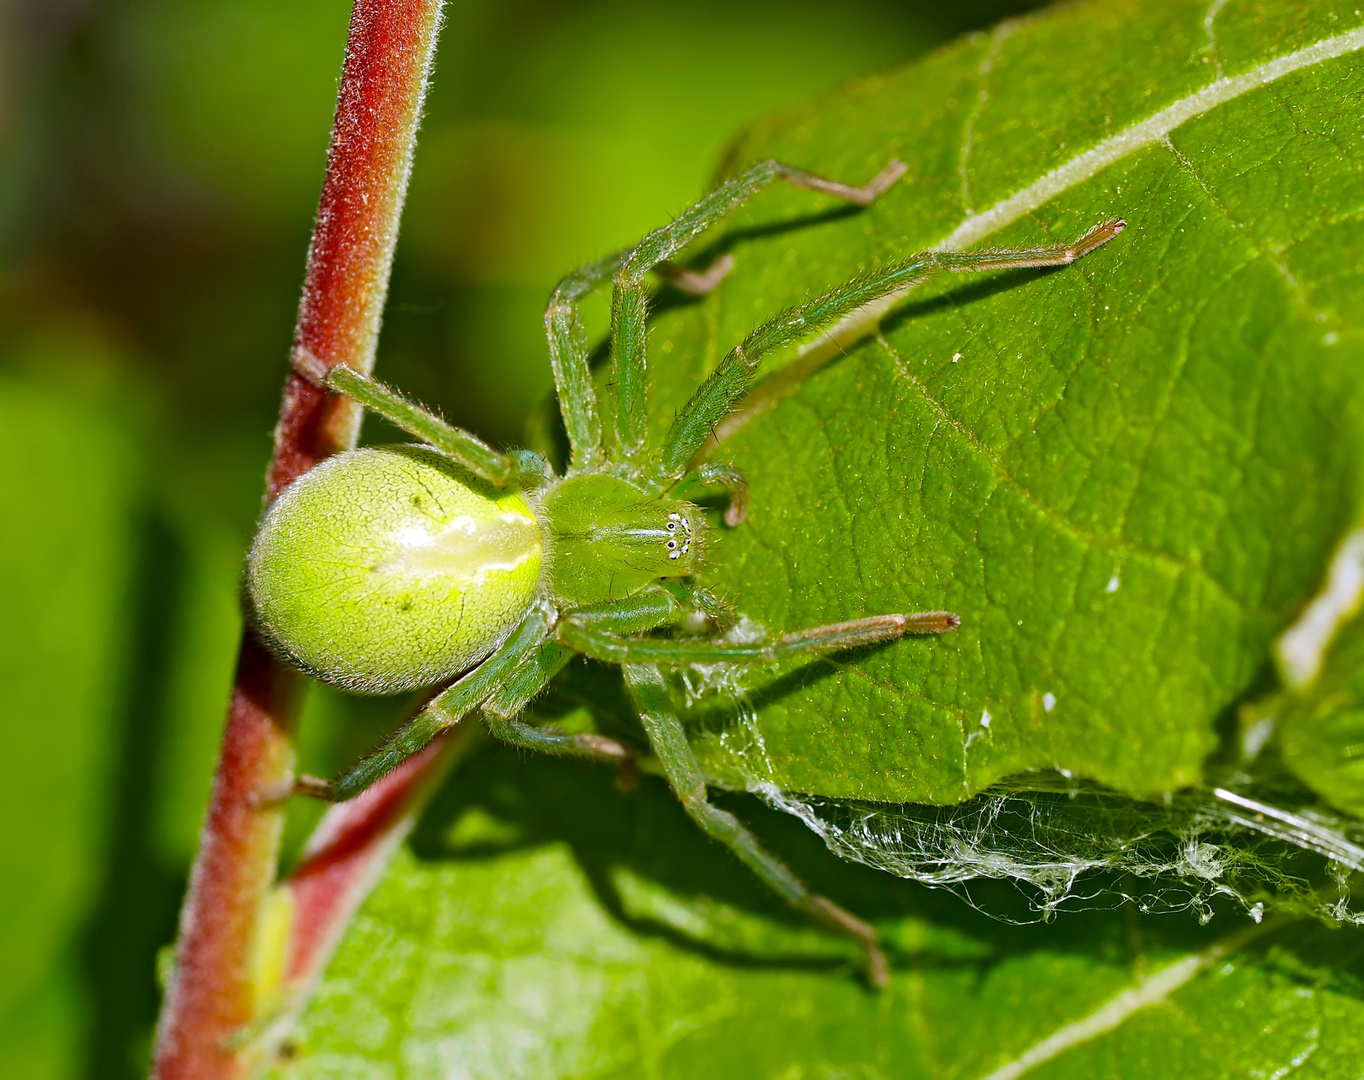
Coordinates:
column 390, row 568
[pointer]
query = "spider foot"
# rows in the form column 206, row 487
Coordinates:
column 310, row 367
column 878, row 968
column 274, row 795
column 314, row 787
column 693, row 282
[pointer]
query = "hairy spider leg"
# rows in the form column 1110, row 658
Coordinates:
column 443, row 712
column 503, row 685
column 568, row 358
column 629, row 297
column 568, row 353
column 463, row 447
column 668, row 738
column 653, row 607
column 500, row 713
column 722, row 475
column 729, row 382
column 647, row 610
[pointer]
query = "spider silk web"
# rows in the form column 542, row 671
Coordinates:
column 1071, row 845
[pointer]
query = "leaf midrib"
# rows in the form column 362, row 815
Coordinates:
column 1154, row 129
column 1154, row 989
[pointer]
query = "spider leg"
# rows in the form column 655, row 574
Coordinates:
column 695, row 283
column 501, row 709
column 444, row 711
column 612, row 648
column 665, row 242
column 550, row 739
column 456, row 443
column 629, row 300
column 652, row 607
column 728, row 383
column 668, row 738
column 568, row 355
column 723, row 475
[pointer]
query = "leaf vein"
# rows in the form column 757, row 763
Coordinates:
column 1152, row 990
column 1051, row 514
column 1144, row 133
column 983, row 73
column 1257, row 244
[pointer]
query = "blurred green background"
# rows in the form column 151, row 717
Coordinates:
column 159, row 166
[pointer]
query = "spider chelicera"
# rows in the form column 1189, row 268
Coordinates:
column 396, row 567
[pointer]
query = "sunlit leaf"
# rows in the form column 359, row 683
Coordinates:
column 545, row 925
column 1127, row 476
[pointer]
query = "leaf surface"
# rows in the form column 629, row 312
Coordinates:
column 1126, row 476
column 1319, row 730
column 546, row 925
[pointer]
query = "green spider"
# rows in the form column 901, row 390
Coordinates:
column 391, row 568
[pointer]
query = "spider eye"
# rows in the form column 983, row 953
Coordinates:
column 677, row 536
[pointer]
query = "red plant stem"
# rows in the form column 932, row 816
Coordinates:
column 214, row 996
column 350, row 846
column 388, row 58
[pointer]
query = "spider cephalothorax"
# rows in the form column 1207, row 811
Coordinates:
column 398, row 567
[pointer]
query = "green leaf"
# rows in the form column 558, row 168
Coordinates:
column 546, row 925
column 1320, row 731
column 1126, row 476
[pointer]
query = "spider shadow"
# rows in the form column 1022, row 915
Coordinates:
column 618, row 839
column 643, row 838
column 951, row 297
column 964, row 295
column 726, row 242
column 629, row 844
